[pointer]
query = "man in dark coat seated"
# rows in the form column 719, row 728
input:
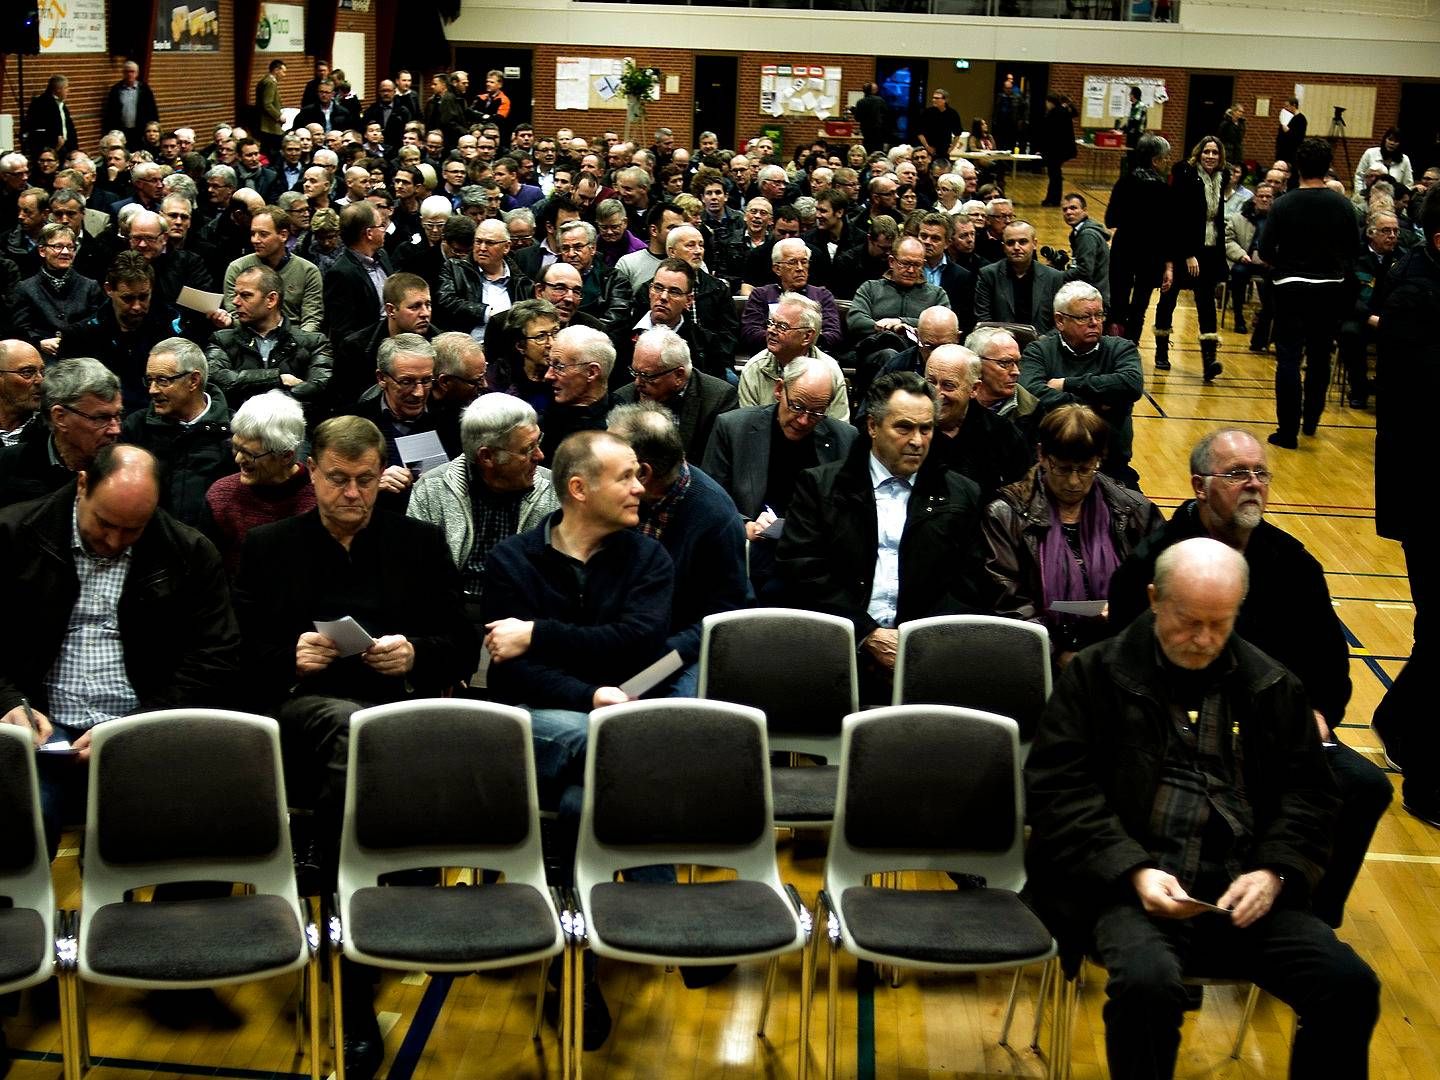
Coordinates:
column 663, row 373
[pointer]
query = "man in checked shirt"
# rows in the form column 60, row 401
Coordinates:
column 125, row 610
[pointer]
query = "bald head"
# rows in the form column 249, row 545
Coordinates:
column 1199, row 586
column 938, row 326
column 115, row 498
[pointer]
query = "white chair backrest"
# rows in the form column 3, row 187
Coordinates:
column 24, row 863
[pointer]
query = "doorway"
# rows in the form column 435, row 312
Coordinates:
column 902, row 85
column 716, row 79
column 1209, row 97
column 1419, row 124
column 519, row 88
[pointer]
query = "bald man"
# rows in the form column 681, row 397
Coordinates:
column 126, row 611
column 1177, row 763
column 973, row 442
column 21, row 368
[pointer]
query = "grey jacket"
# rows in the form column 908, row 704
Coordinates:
column 442, row 497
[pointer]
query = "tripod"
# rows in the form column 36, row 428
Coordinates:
column 1336, row 137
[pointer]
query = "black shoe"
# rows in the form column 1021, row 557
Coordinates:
column 1426, row 808
column 1359, row 402
column 309, row 874
column 1213, row 369
column 1309, row 429
column 1241, row 326
column 364, row 1046
column 595, row 1016
column 1289, row 442
column 1258, row 346
column 1161, row 364
column 697, row 978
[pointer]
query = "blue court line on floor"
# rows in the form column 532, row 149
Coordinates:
column 1151, row 398
column 1372, row 662
column 428, row 1011
column 166, row 1067
column 864, row 1018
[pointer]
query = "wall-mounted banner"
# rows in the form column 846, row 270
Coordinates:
column 77, row 26
column 282, row 29
column 187, row 26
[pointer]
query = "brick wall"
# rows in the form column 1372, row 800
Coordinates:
column 191, row 89
column 855, row 72
column 1249, row 85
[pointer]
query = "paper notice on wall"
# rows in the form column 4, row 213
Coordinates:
column 832, row 74
column 1119, row 101
column 767, row 84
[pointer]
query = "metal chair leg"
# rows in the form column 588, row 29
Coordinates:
column 771, row 969
column 1010, row 1007
column 1047, row 973
column 577, row 1012
column 82, row 1027
column 539, row 1000
column 832, row 1007
column 806, row 989
column 337, row 1015
column 312, row 997
column 1250, row 999
column 70, row 1019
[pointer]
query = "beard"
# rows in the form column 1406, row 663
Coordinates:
column 1249, row 515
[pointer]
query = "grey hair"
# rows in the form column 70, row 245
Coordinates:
column 778, row 249
column 274, row 418
column 995, row 204
column 809, row 309
column 1200, row 547
column 951, row 180
column 179, row 196
column 450, row 352
column 804, row 206
column 1074, row 292
column 51, row 230
column 521, row 214
column 489, row 420
column 67, row 195
column 678, row 233
column 982, row 337
column 969, row 362
column 636, row 175
column 1202, row 457
column 969, row 206
column 579, row 226
column 674, row 352
column 325, row 158
column 287, row 199
column 803, row 366
column 432, row 205
column 593, row 346
column 1151, row 146
column 180, row 184
column 146, row 170
column 402, row 345
column 188, row 357
column 67, row 381
column 12, row 161
column 771, row 172
column 609, row 208
column 224, row 173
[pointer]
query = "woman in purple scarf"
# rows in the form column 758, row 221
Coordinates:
column 1060, row 533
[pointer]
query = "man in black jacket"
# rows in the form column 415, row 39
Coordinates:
column 661, row 367
column 353, row 285
column 100, row 548
column 1178, row 763
column 129, row 106
column 878, row 541
column 1287, row 613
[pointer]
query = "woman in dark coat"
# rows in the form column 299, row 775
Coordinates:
column 1196, row 260
column 1136, row 217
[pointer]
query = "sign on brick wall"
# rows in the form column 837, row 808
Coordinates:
column 282, row 29
column 76, row 26
column 187, row 26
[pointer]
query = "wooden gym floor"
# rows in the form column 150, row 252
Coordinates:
column 479, row 1026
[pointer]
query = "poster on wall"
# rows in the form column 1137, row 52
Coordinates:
column 282, row 29
column 187, row 26
column 74, row 27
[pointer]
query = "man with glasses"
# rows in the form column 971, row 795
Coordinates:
column 1019, row 288
column 848, row 521
column 668, row 301
column 560, row 284
column 1361, row 326
column 791, row 332
column 399, row 404
column 21, row 368
column 791, row 261
column 56, row 297
column 972, row 442
column 998, row 214
column 999, row 390
column 264, row 350
column 393, row 575
column 1287, row 613
column 578, row 374
column 887, row 309
column 577, row 248
column 80, row 404
column 426, row 252
column 473, row 291
column 186, row 426
column 460, row 368
column 663, row 371
column 1079, row 363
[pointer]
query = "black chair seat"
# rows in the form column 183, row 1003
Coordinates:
column 803, row 793
column 454, row 925
column 714, row 918
column 193, row 940
column 22, row 943
column 943, row 926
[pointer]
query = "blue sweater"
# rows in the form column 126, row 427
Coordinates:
column 584, row 638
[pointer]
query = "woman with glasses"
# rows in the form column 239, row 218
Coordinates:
column 1059, row 534
column 518, row 346
column 267, row 438
column 57, row 295
column 1196, row 262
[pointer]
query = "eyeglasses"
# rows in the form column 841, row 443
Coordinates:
column 794, row 263
column 527, row 451
column 410, row 382
column 477, row 383
column 61, row 248
column 782, row 327
column 668, row 290
column 340, row 480
column 1072, row 472
column 543, row 335
column 103, row 419
column 1240, row 476
column 249, row 458
column 813, row 414
column 565, row 290
column 1007, row 365
column 560, row 369
column 29, row 373
column 164, row 382
column 648, row 377
column 1095, row 319
column 909, row 264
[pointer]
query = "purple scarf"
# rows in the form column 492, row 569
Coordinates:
column 1060, row 575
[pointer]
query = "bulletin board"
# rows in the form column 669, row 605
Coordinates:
column 1107, row 99
column 798, row 89
column 1319, row 101
column 593, row 82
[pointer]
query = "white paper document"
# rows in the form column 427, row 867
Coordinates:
column 348, row 635
column 1087, row 608
column 199, row 300
column 423, row 451
column 1285, row 117
column 653, row 675
column 59, row 746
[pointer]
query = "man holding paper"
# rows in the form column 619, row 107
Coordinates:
column 398, row 404
column 1174, row 763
